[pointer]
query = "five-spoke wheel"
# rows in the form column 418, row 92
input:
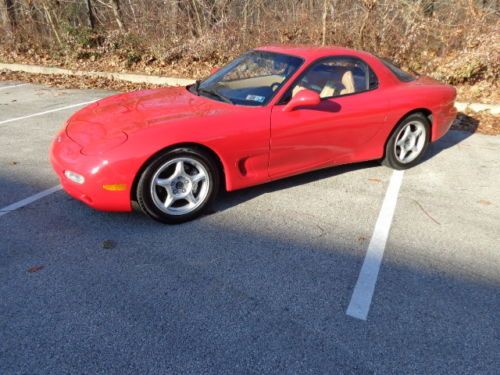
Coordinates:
column 408, row 142
column 180, row 185
column 177, row 185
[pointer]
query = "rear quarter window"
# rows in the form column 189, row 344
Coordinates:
column 398, row 72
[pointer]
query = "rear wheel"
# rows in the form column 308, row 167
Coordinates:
column 408, row 142
column 178, row 185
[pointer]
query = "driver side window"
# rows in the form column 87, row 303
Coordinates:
column 337, row 76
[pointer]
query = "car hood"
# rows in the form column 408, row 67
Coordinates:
column 115, row 118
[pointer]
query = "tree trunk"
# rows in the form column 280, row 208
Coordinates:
column 197, row 17
column 5, row 18
column 173, row 9
column 369, row 6
column 428, row 7
column 133, row 11
column 35, row 16
column 117, row 12
column 52, row 23
column 11, row 14
column 90, row 12
column 325, row 13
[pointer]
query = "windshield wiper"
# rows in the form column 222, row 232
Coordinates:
column 213, row 93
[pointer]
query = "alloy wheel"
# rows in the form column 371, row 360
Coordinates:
column 410, row 142
column 180, row 185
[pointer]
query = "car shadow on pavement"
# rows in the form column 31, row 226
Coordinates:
column 449, row 140
column 217, row 297
column 227, row 200
column 462, row 128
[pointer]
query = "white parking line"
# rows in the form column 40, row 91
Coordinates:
column 26, row 201
column 46, row 112
column 363, row 291
column 12, row 86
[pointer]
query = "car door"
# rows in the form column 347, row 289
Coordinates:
column 339, row 129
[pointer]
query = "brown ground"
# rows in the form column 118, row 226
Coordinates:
column 482, row 91
column 74, row 82
column 471, row 121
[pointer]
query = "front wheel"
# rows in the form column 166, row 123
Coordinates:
column 408, row 142
column 178, row 185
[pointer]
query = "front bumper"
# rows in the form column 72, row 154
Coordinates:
column 97, row 171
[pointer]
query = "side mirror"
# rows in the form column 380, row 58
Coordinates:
column 304, row 98
column 214, row 70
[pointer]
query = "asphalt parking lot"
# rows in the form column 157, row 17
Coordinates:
column 263, row 285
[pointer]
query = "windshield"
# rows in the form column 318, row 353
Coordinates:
column 252, row 79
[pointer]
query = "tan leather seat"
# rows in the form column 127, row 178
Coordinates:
column 296, row 89
column 342, row 83
column 348, row 83
column 328, row 90
column 336, row 86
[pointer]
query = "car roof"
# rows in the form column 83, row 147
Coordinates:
column 314, row 52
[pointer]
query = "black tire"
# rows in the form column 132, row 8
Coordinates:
column 147, row 193
column 391, row 159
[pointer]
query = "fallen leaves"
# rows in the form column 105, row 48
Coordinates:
column 74, row 82
column 479, row 122
column 35, row 269
column 485, row 202
column 108, row 244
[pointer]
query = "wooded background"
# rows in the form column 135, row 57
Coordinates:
column 455, row 40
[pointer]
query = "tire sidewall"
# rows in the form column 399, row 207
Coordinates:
column 390, row 157
column 145, row 199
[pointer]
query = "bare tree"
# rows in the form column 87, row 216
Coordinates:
column 117, row 12
column 369, row 7
column 91, row 16
column 35, row 16
column 325, row 13
column 50, row 18
column 10, row 17
column 5, row 17
column 209, row 31
column 173, row 8
column 428, row 7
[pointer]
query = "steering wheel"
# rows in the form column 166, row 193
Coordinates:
column 275, row 86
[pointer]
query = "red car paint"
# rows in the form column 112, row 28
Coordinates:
column 110, row 141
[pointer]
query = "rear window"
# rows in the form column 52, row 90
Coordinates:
column 401, row 74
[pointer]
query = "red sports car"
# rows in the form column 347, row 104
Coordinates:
column 271, row 113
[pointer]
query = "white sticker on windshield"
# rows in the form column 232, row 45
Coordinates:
column 256, row 98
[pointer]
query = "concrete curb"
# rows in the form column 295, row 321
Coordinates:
column 136, row 78
column 494, row 109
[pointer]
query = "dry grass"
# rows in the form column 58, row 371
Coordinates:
column 75, row 82
column 481, row 122
column 455, row 41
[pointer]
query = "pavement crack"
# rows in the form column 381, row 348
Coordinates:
column 425, row 212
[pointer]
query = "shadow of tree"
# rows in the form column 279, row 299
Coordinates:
column 219, row 295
